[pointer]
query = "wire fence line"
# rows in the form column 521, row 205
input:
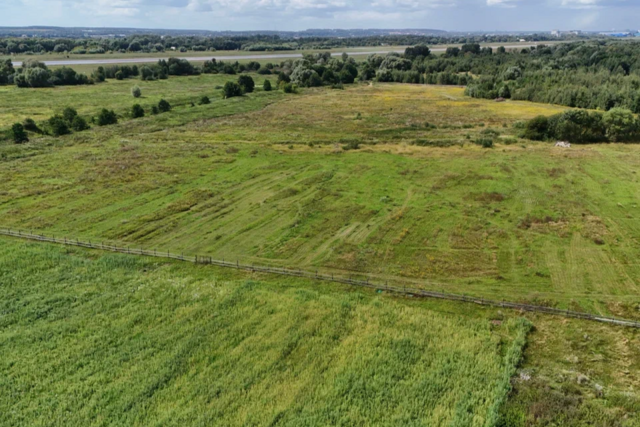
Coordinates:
column 200, row 259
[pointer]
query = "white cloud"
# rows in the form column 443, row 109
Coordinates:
column 580, row 4
column 502, row 3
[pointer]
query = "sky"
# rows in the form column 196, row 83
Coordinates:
column 451, row 15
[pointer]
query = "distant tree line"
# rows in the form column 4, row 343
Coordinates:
column 593, row 74
column 155, row 43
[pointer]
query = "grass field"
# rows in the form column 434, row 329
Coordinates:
column 101, row 339
column 90, row 339
column 271, row 183
column 40, row 104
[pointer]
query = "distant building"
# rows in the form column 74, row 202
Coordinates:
column 555, row 33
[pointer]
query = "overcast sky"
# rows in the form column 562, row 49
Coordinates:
column 463, row 15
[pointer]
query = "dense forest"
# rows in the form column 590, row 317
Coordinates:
column 156, row 43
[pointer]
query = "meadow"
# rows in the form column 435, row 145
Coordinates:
column 266, row 179
column 387, row 180
column 41, row 103
column 102, row 339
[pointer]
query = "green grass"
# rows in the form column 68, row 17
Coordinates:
column 90, row 338
column 41, row 103
column 264, row 179
column 559, row 352
column 102, row 339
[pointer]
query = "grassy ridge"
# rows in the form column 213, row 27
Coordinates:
column 90, row 339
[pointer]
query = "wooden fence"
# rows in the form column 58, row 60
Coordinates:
column 366, row 283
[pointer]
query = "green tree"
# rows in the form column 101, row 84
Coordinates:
column 30, row 125
column 18, row 134
column 136, row 92
column 164, row 106
column 504, row 92
column 99, row 75
column 346, row 77
column 246, row 83
column 137, row 111
column 135, row 46
column 620, row 125
column 68, row 114
column 205, row 100
column 106, row 117
column 58, row 126
column 289, row 88
column 536, row 129
column 416, row 51
column 79, row 124
column 266, row 86
column 231, row 89
column 33, row 77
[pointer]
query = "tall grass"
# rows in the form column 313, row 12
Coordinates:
column 89, row 339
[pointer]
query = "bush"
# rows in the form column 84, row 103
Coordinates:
column 68, row 114
column 18, row 134
column 205, row 100
column 577, row 126
column 58, row 126
column 154, row 110
column 33, row 77
column 79, row 124
column 136, row 92
column 106, row 117
column 246, row 83
column 351, row 145
column 119, row 75
column 289, row 88
column 266, row 86
column 231, row 89
column 346, row 77
column 137, row 111
column 484, row 142
column 536, row 129
column 30, row 125
column 164, row 106
column 620, row 125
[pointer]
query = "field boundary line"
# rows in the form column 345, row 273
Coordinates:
column 207, row 260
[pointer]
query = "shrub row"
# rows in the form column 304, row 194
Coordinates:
column 581, row 126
